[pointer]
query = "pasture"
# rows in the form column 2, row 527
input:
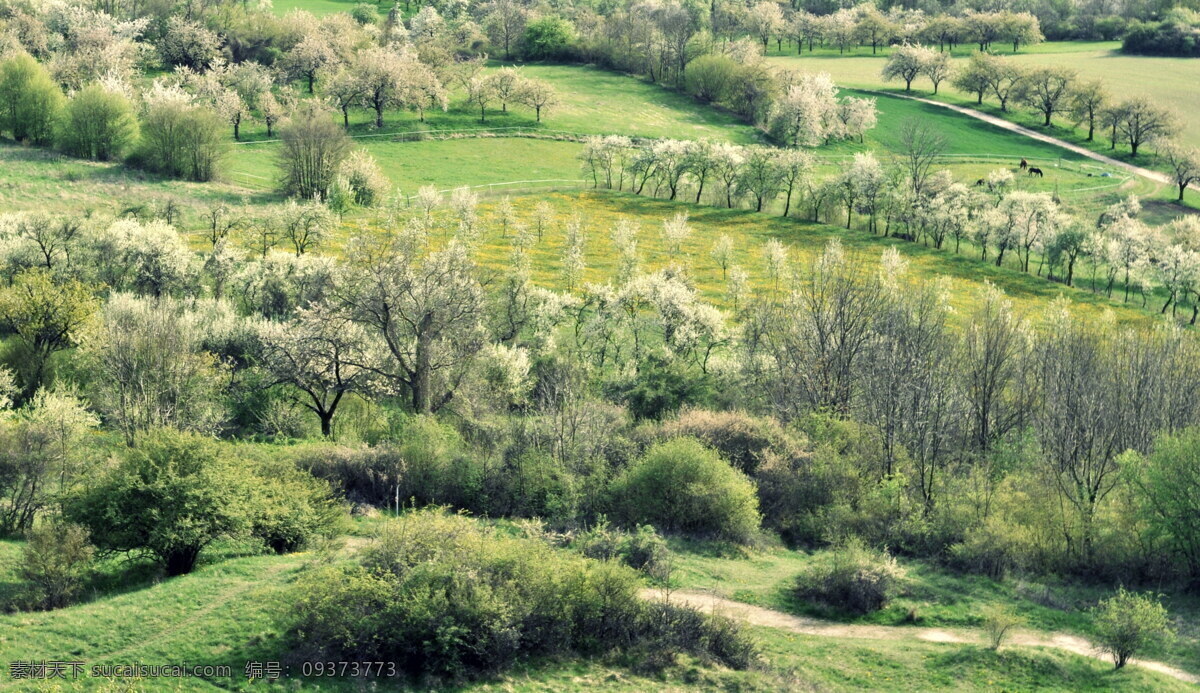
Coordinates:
column 1160, row 79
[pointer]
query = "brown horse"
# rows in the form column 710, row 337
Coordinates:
column 1024, row 164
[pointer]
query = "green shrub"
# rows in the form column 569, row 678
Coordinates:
column 1127, row 622
column 55, row 562
column 181, row 141
column 661, row 388
column 289, row 508
column 443, row 595
column 533, row 484
column 365, row 13
column 851, row 578
column 643, row 549
column 97, row 124
column 998, row 622
column 30, row 101
column 682, row 486
column 170, row 497
column 548, row 38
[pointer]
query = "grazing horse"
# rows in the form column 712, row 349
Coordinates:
column 1024, row 164
column 1035, row 171
column 979, row 183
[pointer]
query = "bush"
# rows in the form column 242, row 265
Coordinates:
column 290, row 508
column 710, row 77
column 365, row 13
column 426, row 465
column 998, row 622
column 661, row 388
column 312, row 150
column 55, row 562
column 97, row 124
column 744, row 440
column 442, row 595
column 533, row 484
column 1126, row 622
column 643, row 549
column 30, row 101
column 682, row 486
column 851, row 578
column 170, row 497
column 182, row 141
column 365, row 181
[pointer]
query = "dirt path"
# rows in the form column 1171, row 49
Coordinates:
column 1041, row 137
column 758, row 616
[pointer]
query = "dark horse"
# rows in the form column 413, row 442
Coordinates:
column 1024, row 164
column 1035, row 171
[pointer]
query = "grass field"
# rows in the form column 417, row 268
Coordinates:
column 443, row 163
column 937, row 598
column 235, row 609
column 1160, row 79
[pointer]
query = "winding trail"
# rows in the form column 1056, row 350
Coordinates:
column 759, row 616
column 1003, row 124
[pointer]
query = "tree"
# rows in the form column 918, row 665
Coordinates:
column 424, row 314
column 316, row 353
column 313, row 147
column 539, row 95
column 937, row 68
column 312, row 55
column 1165, row 480
column 1184, row 163
column 189, row 44
column 905, row 63
column 481, row 92
column 151, row 370
column 1127, row 622
column 29, row 100
column 381, row 74
column 795, row 167
column 1088, row 101
column 46, row 315
column 1047, row 90
column 920, row 147
column 507, row 83
column 344, row 89
column 97, row 124
column 305, row 223
column 806, row 115
column 548, row 38
column 763, row 20
column 975, row 77
column 504, row 21
column 170, row 498
column 1142, row 121
column 1004, row 79
column 874, row 28
column 995, row 346
column 1020, row 28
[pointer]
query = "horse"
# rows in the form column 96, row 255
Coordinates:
column 1035, row 171
column 1024, row 164
column 979, row 183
